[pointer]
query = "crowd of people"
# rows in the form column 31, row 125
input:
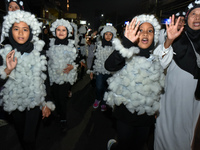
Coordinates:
column 149, row 76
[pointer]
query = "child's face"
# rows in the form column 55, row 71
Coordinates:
column 194, row 19
column 61, row 32
column 108, row 36
column 20, row 32
column 146, row 35
column 13, row 6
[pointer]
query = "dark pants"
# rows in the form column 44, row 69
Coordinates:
column 101, row 86
column 130, row 137
column 60, row 96
column 26, row 124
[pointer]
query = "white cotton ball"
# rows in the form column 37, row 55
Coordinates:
column 149, row 110
column 155, row 87
column 156, row 106
column 149, row 101
column 140, row 110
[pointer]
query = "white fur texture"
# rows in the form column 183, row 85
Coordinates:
column 75, row 33
column 138, row 85
column 61, row 22
column 59, row 57
column 109, row 29
column 101, row 53
column 21, row 16
column 50, row 105
column 125, row 52
column 25, row 86
column 153, row 21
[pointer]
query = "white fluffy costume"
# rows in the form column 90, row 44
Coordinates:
column 60, row 56
column 139, row 83
column 102, row 53
column 25, row 86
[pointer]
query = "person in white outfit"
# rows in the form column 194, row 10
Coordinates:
column 180, row 107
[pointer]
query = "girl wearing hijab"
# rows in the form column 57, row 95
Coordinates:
column 61, row 66
column 11, row 5
column 22, row 76
column 103, row 50
column 180, row 106
column 134, row 89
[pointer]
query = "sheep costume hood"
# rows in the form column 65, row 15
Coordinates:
column 109, row 29
column 139, row 83
column 24, row 88
column 153, row 21
column 61, row 55
column 61, row 22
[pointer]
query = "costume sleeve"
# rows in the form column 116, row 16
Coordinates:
column 116, row 60
column 48, row 98
column 91, row 69
column 165, row 55
column 3, row 78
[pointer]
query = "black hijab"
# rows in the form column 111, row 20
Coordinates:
column 62, row 41
column 146, row 52
column 22, row 48
column 185, row 56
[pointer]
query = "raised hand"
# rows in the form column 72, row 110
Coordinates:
column 11, row 62
column 172, row 28
column 172, row 31
column 131, row 31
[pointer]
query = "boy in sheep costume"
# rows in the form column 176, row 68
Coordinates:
column 22, row 75
column 103, row 50
column 134, row 90
column 61, row 65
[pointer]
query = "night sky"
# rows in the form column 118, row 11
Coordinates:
column 115, row 11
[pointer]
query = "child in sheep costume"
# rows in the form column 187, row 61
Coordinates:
column 103, row 50
column 61, row 65
column 22, row 75
column 134, row 90
column 11, row 5
column 180, row 104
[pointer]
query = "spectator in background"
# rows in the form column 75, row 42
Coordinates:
column 180, row 14
column 90, row 48
column 45, row 37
